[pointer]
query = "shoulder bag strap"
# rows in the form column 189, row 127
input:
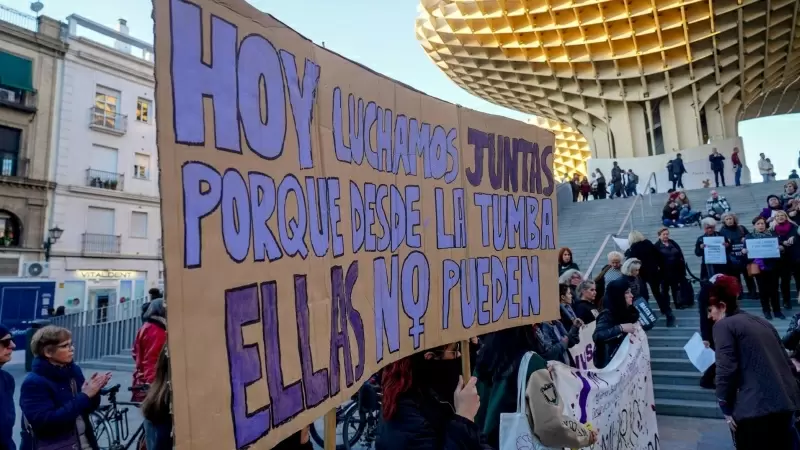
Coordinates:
column 522, row 381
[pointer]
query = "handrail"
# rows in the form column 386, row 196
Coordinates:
column 625, row 220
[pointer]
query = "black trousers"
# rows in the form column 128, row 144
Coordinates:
column 717, row 175
column 768, row 291
column 677, row 182
column 673, row 285
column 789, row 270
column 662, row 301
column 773, row 431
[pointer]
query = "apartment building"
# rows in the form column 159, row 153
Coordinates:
column 105, row 168
column 30, row 53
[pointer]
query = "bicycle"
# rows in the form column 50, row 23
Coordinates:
column 341, row 411
column 363, row 419
column 110, row 422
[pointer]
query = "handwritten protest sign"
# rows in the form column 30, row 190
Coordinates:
column 321, row 221
column 617, row 400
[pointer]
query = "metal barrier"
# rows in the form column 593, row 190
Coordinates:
column 626, row 221
column 100, row 332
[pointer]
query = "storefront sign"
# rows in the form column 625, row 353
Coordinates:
column 115, row 274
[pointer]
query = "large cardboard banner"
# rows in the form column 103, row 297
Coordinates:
column 617, row 400
column 321, row 221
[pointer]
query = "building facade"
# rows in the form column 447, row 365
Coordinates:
column 105, row 168
column 635, row 78
column 31, row 51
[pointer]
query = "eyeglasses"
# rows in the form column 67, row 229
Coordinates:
column 65, row 345
column 6, row 342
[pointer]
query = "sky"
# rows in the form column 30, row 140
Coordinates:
column 380, row 35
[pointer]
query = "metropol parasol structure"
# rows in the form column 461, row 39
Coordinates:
column 621, row 78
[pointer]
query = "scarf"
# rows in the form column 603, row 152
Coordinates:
column 782, row 229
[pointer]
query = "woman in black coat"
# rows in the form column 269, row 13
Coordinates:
column 650, row 272
column 673, row 267
column 615, row 321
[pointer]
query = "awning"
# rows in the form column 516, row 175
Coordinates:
column 16, row 72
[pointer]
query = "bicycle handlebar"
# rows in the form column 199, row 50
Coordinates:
column 112, row 390
column 139, row 388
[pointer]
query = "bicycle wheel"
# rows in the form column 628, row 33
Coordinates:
column 355, row 420
column 340, row 413
column 102, row 432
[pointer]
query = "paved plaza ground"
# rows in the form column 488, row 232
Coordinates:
column 676, row 433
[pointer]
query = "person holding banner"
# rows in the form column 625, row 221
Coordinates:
column 427, row 405
column 756, row 388
column 553, row 340
column 709, row 231
column 497, row 371
column 615, row 322
column 764, row 271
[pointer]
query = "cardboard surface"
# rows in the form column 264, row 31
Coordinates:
column 281, row 302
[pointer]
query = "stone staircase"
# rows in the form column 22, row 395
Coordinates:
column 582, row 228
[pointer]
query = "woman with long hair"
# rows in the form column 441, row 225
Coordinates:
column 156, row 407
column 756, row 389
column 427, row 405
column 565, row 261
column 497, row 368
column 618, row 318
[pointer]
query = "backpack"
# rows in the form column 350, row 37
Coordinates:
column 634, row 179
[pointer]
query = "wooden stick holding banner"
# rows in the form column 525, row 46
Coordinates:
column 465, row 368
column 330, row 430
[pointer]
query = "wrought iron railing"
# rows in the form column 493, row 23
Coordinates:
column 11, row 165
column 99, row 332
column 104, row 244
column 19, row 19
column 104, row 180
column 105, row 120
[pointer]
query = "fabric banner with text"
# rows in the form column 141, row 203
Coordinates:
column 583, row 351
column 617, row 400
column 321, row 221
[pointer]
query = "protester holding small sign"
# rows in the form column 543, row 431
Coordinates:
column 617, row 320
column 709, row 231
column 735, row 233
column 756, row 388
column 427, row 404
column 764, row 270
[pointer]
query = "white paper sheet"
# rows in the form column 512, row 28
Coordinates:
column 701, row 357
column 762, row 248
column 714, row 250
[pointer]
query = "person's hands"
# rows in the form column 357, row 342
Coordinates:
column 466, row 399
column 628, row 327
column 577, row 322
column 731, row 423
column 702, row 245
column 707, row 344
column 725, row 244
column 565, row 340
column 790, row 241
column 744, row 251
column 92, row 386
column 593, row 434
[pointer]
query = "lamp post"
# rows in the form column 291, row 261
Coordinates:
column 53, row 235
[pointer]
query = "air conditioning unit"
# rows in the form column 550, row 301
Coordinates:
column 35, row 269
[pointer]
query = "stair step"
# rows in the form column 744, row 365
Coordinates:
column 673, row 364
column 667, row 352
column 672, row 377
column 678, row 392
column 688, row 408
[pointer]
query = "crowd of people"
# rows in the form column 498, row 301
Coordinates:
column 623, row 184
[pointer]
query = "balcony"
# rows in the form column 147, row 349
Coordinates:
column 104, row 180
column 108, row 121
column 19, row 19
column 17, row 99
column 101, row 244
column 11, row 165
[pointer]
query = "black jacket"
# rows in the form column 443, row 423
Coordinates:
column 423, row 423
column 706, row 324
column 568, row 266
column 583, row 309
column 716, row 161
column 735, row 235
column 791, row 254
column 608, row 334
column 677, row 168
column 672, row 259
column 698, row 251
column 670, row 213
column 646, row 252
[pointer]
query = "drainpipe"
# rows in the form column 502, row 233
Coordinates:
column 53, row 170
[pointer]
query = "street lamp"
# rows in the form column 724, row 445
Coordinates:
column 53, row 235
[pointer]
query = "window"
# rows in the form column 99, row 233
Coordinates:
column 16, row 78
column 106, row 108
column 138, row 224
column 9, row 152
column 10, row 229
column 100, row 221
column 141, row 169
column 143, row 107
